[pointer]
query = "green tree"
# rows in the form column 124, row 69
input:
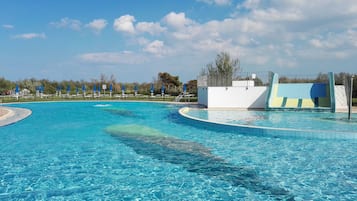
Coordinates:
column 167, row 79
column 171, row 83
column 192, row 87
column 5, row 85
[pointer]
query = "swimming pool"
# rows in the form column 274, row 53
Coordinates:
column 308, row 124
column 146, row 151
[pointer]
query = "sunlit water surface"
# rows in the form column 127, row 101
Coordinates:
column 64, row 152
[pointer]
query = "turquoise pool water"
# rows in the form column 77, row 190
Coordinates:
column 72, row 151
column 325, row 125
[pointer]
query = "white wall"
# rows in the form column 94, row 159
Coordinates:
column 232, row 97
column 203, row 96
column 340, row 97
column 249, row 97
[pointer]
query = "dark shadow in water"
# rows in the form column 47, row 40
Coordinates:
column 121, row 112
column 196, row 158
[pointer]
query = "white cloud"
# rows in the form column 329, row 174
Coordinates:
column 68, row 23
column 177, row 20
column 142, row 41
column 271, row 35
column 249, row 4
column 8, row 26
column 285, row 63
column 218, row 2
column 156, row 47
column 124, row 57
column 260, row 60
column 28, row 36
column 273, row 14
column 97, row 25
column 351, row 36
column 150, row 27
column 125, row 24
column 316, row 43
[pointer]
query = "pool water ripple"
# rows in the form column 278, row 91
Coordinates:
column 279, row 123
column 63, row 152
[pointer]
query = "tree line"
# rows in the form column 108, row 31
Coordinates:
column 164, row 81
column 221, row 72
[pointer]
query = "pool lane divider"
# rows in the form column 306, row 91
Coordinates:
column 265, row 131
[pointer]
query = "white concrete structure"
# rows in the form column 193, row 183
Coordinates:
column 233, row 97
column 250, row 97
column 340, row 98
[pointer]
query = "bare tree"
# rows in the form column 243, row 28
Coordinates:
column 221, row 72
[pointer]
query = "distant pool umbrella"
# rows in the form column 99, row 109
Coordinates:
column 135, row 90
column 68, row 89
column 59, row 88
column 98, row 88
column 17, row 89
column 110, row 90
column 152, row 88
column 123, row 90
column 41, row 89
column 94, row 90
column 184, row 88
column 84, row 90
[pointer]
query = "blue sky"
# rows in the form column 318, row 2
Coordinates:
column 135, row 39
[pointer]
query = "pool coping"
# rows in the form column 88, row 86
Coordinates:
column 13, row 115
column 271, row 131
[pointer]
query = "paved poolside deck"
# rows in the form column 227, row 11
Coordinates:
column 12, row 115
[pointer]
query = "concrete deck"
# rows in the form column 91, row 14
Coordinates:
column 10, row 115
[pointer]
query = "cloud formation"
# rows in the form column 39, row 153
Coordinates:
column 28, row 36
column 8, row 26
column 177, row 20
column 68, row 23
column 150, row 27
column 125, row 24
column 97, row 25
column 260, row 33
column 124, row 57
column 217, row 2
column 156, row 47
column 264, row 35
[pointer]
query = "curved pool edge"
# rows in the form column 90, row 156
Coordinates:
column 271, row 131
column 13, row 115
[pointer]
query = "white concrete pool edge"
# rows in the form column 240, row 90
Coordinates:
column 271, row 131
column 13, row 115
